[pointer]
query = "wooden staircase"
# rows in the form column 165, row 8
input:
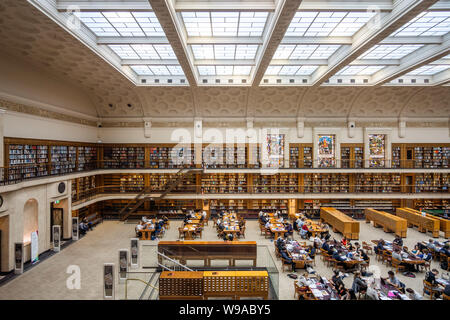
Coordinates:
column 143, row 195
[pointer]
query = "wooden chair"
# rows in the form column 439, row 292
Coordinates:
column 425, row 266
column 387, row 257
column 167, row 224
column 445, row 297
column 368, row 248
column 396, row 264
column 379, row 255
column 181, row 233
column 429, row 287
column 443, row 257
column 267, row 234
column 284, row 263
column 298, row 290
column 198, row 232
column 242, row 232
column 262, row 229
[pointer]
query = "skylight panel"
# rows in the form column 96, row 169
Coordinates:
column 206, row 70
column 125, row 24
column 428, row 70
column 306, row 70
column 272, row 70
column 322, row 24
column 429, row 23
column 305, row 51
column 224, row 70
column 158, row 70
column 390, row 51
column 142, row 70
column 144, row 51
column 359, row 70
column 241, row 52
column 224, row 24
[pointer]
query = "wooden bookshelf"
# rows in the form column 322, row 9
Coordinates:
column 224, row 183
column 276, row 183
column 373, row 182
column 352, row 155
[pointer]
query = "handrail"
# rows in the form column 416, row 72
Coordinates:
column 180, row 175
column 132, row 279
column 174, row 261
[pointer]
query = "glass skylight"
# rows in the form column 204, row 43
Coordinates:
column 158, row 70
column 224, row 70
column 219, row 24
column 430, row 23
column 305, row 51
column 209, row 51
column 125, row 24
column 359, row 70
column 290, row 70
column 144, row 51
column 428, row 70
column 389, row 51
column 322, row 24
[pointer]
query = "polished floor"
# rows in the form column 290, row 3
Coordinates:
column 48, row 279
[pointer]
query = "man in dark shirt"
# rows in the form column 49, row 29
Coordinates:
column 287, row 259
column 398, row 241
column 325, row 246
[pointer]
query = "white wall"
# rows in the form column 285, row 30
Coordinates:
column 162, row 135
column 21, row 79
column 19, row 125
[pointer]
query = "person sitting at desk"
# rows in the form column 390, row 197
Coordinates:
column 186, row 219
column 260, row 214
column 413, row 295
column 228, row 237
column 139, row 228
column 430, row 277
column 279, row 242
column 398, row 241
column 83, row 227
column 289, row 230
column 300, row 223
column 267, row 225
column 326, row 246
column 296, row 223
column 359, row 285
column 393, row 281
column 221, row 226
column 287, row 259
column 311, row 251
column 379, row 247
column 144, row 219
column 264, row 219
column 445, row 250
column 304, row 232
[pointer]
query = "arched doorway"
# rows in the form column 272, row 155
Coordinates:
column 30, row 219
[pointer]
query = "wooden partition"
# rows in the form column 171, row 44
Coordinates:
column 340, row 222
column 218, row 284
column 423, row 223
column 389, row 222
column 209, row 250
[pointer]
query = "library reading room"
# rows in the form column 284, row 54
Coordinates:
column 225, row 150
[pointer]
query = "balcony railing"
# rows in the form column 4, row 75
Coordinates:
column 263, row 189
column 18, row 173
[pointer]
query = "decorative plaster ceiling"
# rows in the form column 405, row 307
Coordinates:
column 30, row 35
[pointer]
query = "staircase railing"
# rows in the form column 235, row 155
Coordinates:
column 162, row 255
column 141, row 197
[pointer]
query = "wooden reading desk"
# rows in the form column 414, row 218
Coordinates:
column 423, row 223
column 389, row 222
column 340, row 222
column 209, row 250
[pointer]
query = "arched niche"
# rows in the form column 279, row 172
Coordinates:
column 30, row 219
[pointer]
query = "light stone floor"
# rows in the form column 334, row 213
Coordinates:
column 47, row 280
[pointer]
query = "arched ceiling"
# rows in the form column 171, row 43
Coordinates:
column 28, row 34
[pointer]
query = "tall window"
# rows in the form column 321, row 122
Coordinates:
column 326, row 155
column 377, row 150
